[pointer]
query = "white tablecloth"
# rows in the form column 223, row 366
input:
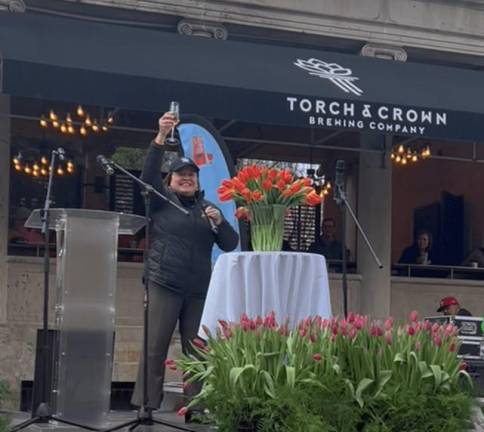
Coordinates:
column 294, row 285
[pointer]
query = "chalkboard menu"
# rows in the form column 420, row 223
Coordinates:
column 125, row 195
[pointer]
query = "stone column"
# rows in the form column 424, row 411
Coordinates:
column 4, row 200
column 374, row 214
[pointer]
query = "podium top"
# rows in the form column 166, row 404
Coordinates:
column 128, row 223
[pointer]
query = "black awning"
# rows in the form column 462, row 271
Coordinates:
column 134, row 68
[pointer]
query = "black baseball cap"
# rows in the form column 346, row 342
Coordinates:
column 183, row 162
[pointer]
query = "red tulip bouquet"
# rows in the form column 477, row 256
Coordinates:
column 263, row 196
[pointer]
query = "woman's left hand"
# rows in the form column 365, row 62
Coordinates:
column 214, row 214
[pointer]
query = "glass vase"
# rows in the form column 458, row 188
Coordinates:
column 267, row 226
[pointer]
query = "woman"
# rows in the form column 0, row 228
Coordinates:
column 179, row 260
column 420, row 252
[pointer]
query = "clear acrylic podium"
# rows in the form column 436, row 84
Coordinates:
column 87, row 244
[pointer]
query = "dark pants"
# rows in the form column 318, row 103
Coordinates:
column 165, row 309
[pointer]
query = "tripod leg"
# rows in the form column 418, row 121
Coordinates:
column 26, row 423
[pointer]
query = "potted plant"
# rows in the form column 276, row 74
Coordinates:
column 263, row 196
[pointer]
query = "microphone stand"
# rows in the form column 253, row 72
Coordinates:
column 145, row 416
column 43, row 412
column 342, row 201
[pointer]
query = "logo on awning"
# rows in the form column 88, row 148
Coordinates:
column 338, row 75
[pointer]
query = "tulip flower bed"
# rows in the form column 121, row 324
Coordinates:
column 338, row 375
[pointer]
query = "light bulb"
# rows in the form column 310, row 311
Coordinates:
column 401, row 149
column 60, row 171
column 55, row 123
column 95, row 126
column 404, row 161
column 43, row 121
column 35, row 173
column 392, row 155
column 52, row 115
column 43, row 171
column 35, row 166
column 17, row 159
column 27, row 169
column 80, row 111
column 88, row 121
column 104, row 128
column 110, row 119
column 68, row 118
column 71, row 129
column 44, row 160
column 414, row 158
column 70, row 169
column 18, row 167
column 83, row 130
column 398, row 158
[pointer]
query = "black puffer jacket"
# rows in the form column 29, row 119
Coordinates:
column 181, row 246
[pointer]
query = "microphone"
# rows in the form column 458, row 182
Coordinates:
column 213, row 227
column 61, row 153
column 105, row 164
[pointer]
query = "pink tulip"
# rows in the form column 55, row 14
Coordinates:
column 437, row 340
column 350, row 317
column 410, row 330
column 353, row 332
column 182, row 411
column 259, row 321
column 376, row 331
column 317, row 357
column 199, row 343
column 435, row 328
column 452, row 347
column 427, row 325
column 414, row 316
column 388, row 323
column 206, row 330
column 389, row 337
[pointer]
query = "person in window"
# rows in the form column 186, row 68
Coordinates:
column 475, row 258
column 20, row 234
column 179, row 260
column 420, row 252
column 450, row 306
column 326, row 244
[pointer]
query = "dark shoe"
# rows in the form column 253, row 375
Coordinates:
column 146, row 415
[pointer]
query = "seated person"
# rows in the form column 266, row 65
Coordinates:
column 21, row 234
column 326, row 244
column 420, row 252
column 450, row 306
column 476, row 256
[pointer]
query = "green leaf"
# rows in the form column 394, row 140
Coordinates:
column 398, row 358
column 236, row 372
column 291, row 376
column 363, row 384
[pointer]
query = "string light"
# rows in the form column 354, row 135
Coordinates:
column 403, row 154
column 85, row 121
column 40, row 167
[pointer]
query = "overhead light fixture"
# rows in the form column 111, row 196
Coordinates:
column 404, row 153
column 67, row 124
